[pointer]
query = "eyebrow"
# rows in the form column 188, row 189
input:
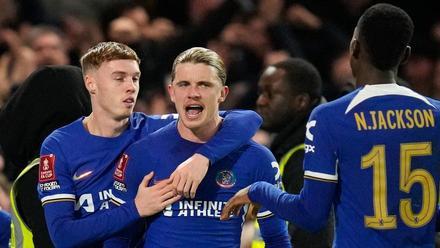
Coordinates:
column 204, row 82
column 198, row 82
column 125, row 73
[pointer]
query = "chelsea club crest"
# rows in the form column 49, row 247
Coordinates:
column 225, row 179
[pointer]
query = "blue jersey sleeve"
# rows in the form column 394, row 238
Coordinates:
column 274, row 232
column 156, row 122
column 5, row 230
column 237, row 128
column 66, row 230
column 55, row 181
column 133, row 165
column 57, row 194
column 320, row 159
column 308, row 210
column 273, row 229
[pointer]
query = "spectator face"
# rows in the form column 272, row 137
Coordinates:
column 124, row 30
column 197, row 92
column 275, row 102
column 114, row 87
column 49, row 50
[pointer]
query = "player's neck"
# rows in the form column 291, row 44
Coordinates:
column 374, row 76
column 201, row 134
column 103, row 126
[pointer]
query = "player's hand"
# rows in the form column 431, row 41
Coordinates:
column 189, row 174
column 151, row 200
column 234, row 205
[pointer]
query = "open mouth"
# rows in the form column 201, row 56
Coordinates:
column 129, row 101
column 193, row 111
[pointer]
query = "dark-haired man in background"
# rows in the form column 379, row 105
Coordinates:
column 288, row 92
column 373, row 153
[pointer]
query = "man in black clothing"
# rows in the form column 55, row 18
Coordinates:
column 288, row 92
column 51, row 97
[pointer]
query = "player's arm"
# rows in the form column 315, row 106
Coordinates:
column 132, row 165
column 274, row 232
column 310, row 209
column 57, row 194
column 66, row 229
column 237, row 128
column 272, row 228
column 133, row 179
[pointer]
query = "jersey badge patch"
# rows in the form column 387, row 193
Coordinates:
column 47, row 168
column 120, row 168
column 225, row 179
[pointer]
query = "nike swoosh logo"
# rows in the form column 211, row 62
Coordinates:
column 85, row 174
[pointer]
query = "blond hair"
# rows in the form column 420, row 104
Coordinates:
column 106, row 51
column 201, row 55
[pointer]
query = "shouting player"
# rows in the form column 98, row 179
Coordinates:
column 197, row 89
column 77, row 161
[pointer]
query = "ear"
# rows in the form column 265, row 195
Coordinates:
column 223, row 94
column 406, row 55
column 301, row 102
column 90, row 84
column 355, row 48
column 171, row 92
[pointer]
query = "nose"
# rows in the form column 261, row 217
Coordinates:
column 131, row 85
column 262, row 100
column 193, row 92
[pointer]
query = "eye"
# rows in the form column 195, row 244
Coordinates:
column 266, row 94
column 135, row 79
column 205, row 85
column 182, row 84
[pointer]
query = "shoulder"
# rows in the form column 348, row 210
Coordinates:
column 155, row 140
column 139, row 147
column 138, row 120
column 150, row 122
column 259, row 161
column 255, row 152
column 65, row 134
column 169, row 131
column 435, row 103
column 139, row 117
column 336, row 106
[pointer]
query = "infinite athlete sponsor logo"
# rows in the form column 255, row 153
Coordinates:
column 90, row 203
column 47, row 168
column 187, row 208
column 225, row 179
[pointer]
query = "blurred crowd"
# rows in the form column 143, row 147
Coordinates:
column 248, row 34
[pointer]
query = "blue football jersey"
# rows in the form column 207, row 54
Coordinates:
column 76, row 166
column 195, row 222
column 69, row 172
column 76, row 171
column 380, row 144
